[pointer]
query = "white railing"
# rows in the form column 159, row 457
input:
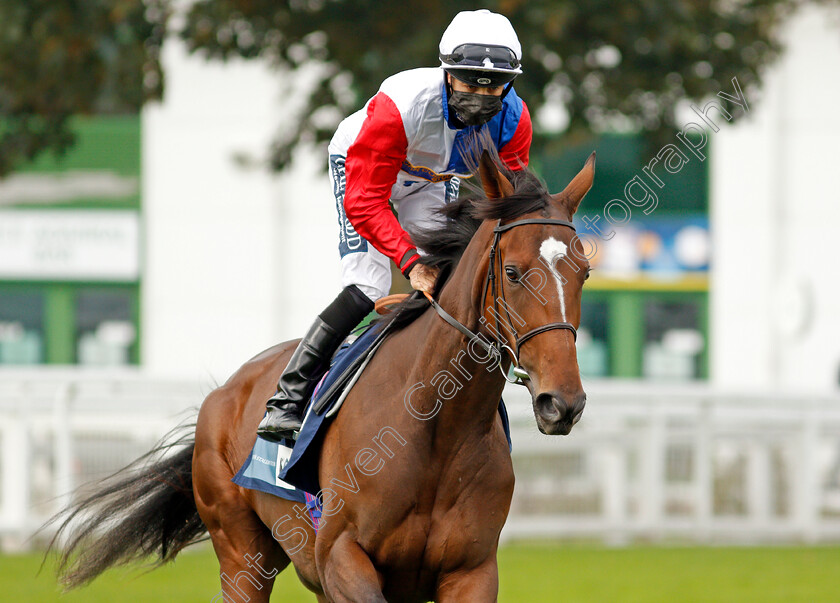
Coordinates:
column 657, row 462
column 646, row 462
column 60, row 429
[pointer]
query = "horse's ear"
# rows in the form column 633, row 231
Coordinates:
column 493, row 182
column 573, row 194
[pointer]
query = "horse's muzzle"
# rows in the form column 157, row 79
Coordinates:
column 556, row 414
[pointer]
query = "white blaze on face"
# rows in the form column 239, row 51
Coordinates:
column 552, row 251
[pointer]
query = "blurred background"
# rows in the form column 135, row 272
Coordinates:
column 165, row 214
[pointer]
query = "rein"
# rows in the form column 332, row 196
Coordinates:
column 498, row 344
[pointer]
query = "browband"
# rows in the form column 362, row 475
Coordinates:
column 503, row 227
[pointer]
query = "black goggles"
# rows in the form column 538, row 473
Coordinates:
column 482, row 79
column 476, row 55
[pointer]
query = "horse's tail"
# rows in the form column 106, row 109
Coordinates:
column 146, row 509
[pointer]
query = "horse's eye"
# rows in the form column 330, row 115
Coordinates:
column 588, row 274
column 511, row 273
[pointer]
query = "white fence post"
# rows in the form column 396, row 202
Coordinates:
column 703, row 484
column 16, row 486
column 807, row 495
column 63, row 443
column 758, row 482
column 652, row 472
column 614, row 492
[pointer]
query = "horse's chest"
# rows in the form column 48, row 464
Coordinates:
column 452, row 524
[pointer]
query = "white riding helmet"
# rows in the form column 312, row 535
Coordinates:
column 481, row 48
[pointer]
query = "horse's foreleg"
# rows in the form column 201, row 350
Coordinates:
column 348, row 574
column 480, row 584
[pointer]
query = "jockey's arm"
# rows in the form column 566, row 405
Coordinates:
column 373, row 162
column 515, row 153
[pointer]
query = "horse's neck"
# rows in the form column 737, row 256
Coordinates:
column 455, row 384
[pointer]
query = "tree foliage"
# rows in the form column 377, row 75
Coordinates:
column 589, row 65
column 60, row 58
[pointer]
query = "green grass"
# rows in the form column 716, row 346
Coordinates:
column 529, row 573
column 652, row 574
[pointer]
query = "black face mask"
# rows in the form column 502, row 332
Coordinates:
column 474, row 109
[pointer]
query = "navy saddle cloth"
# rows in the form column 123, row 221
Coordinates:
column 290, row 469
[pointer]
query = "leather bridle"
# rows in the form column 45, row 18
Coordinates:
column 498, row 342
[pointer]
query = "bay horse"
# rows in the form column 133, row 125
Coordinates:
column 416, row 464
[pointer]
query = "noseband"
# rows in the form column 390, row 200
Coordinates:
column 498, row 342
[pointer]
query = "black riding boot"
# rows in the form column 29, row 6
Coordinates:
column 310, row 361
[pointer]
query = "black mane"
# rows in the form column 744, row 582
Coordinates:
column 445, row 243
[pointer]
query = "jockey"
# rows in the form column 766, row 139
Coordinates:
column 405, row 147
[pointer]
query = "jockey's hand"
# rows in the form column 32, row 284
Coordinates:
column 423, row 277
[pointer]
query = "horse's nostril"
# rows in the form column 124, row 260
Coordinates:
column 554, row 408
column 548, row 408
